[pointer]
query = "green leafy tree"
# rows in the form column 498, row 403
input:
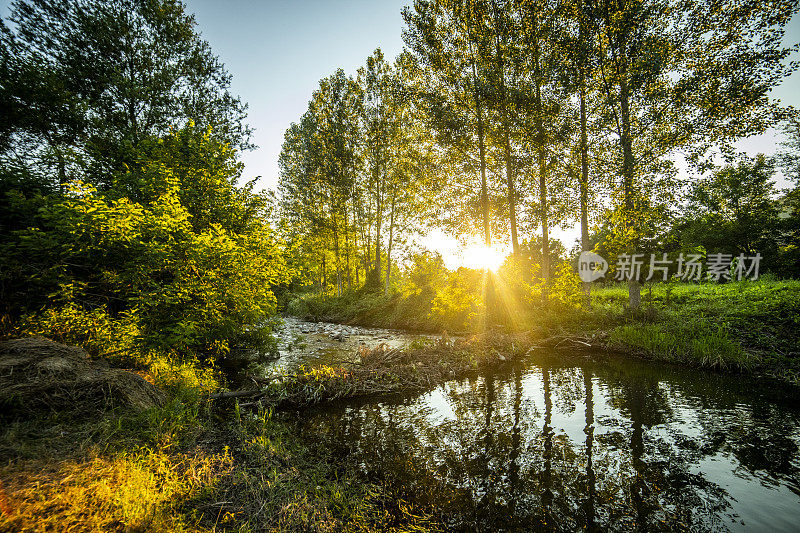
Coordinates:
column 443, row 38
column 789, row 155
column 734, row 210
column 789, row 236
column 207, row 173
column 320, row 163
column 85, row 82
column 683, row 75
column 355, row 175
column 173, row 278
column 397, row 151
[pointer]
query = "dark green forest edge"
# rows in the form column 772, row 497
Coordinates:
column 128, row 229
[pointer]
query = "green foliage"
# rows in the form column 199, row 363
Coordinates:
column 458, row 304
column 566, row 286
column 425, row 274
column 117, row 275
column 694, row 341
column 789, row 156
column 733, row 210
column 354, row 177
column 788, row 263
column 520, row 276
column 710, row 323
column 124, row 227
column 204, row 172
column 92, row 329
column 85, row 82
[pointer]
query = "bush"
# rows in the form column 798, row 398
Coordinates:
column 458, row 304
column 149, row 266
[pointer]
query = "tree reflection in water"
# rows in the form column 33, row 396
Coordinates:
column 588, row 429
column 575, row 444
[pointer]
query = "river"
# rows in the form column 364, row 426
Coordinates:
column 572, row 441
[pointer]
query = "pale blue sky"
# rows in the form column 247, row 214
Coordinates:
column 278, row 51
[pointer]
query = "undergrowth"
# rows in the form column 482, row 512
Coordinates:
column 189, row 465
column 746, row 325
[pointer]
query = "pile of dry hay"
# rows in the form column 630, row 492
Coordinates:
column 38, row 374
column 384, row 371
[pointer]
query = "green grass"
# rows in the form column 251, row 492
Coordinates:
column 743, row 326
column 188, row 466
column 692, row 342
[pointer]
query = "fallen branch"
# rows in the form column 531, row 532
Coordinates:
column 569, row 339
column 236, row 394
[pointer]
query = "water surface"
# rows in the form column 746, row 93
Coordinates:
column 311, row 343
column 576, row 442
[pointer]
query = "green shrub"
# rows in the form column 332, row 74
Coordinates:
column 152, row 263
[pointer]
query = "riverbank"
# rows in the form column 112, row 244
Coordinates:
column 191, row 465
column 381, row 371
column 197, row 464
column 743, row 326
column 240, row 464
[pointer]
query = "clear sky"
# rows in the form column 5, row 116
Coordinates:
column 278, row 50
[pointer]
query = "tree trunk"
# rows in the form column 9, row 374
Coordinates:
column 487, row 236
column 378, row 216
column 347, row 248
column 584, row 182
column 367, row 239
column 540, row 136
column 628, row 169
column 512, row 195
column 324, row 281
column 356, row 229
column 338, row 260
column 62, row 170
column 545, row 222
column 389, row 247
column 510, row 174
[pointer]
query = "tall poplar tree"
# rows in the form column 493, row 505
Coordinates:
column 684, row 75
column 443, row 37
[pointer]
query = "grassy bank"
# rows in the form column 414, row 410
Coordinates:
column 747, row 325
column 239, row 464
column 191, row 465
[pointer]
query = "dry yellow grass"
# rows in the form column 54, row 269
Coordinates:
column 128, row 492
